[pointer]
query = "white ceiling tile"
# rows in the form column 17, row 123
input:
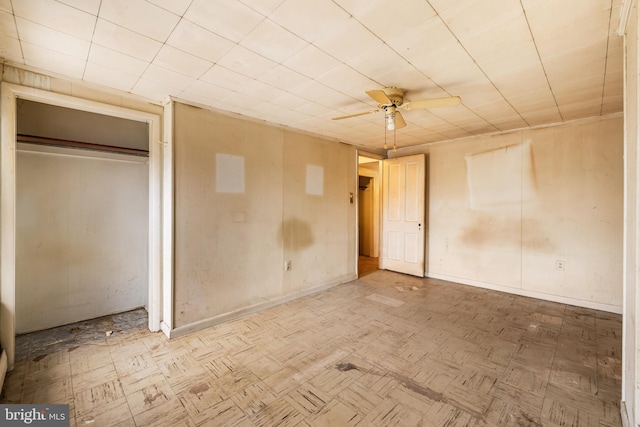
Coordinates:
column 378, row 61
column 125, row 41
column 53, row 61
column 475, row 96
column 483, row 51
column 5, row 6
column 153, row 90
column 290, row 118
column 345, row 79
column 388, row 18
column 178, row 7
column 115, row 60
column 348, row 40
column 470, row 17
column 265, row 7
column 89, row 6
column 431, row 48
column 497, row 54
column 8, row 25
column 241, row 100
column 51, row 39
column 312, row 62
column 531, row 79
column 283, row 78
column 267, row 111
column 203, row 92
column 243, row 61
column 461, row 70
column 316, row 110
column 181, row 62
column 529, row 105
column 109, row 77
column 273, row 41
column 56, row 15
column 336, row 99
column 441, row 6
column 223, row 77
column 10, row 49
column 258, row 90
column 171, row 79
column 157, row 23
column 353, row 6
column 197, row 41
column 312, row 90
column 326, row 15
column 230, row 18
column 406, row 76
column 289, row 101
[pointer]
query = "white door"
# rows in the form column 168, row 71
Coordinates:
column 403, row 206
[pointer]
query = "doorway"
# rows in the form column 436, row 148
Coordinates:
column 82, row 220
column 368, row 215
column 10, row 95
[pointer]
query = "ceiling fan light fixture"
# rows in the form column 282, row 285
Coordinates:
column 391, row 123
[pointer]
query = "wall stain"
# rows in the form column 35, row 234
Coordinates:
column 489, row 230
column 295, row 234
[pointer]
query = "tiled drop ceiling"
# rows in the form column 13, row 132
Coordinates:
column 299, row 63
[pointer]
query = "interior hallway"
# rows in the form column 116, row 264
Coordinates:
column 387, row 349
column 367, row 265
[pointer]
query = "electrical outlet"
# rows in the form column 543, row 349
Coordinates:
column 287, row 266
column 560, row 265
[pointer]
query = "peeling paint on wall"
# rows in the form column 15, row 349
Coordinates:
column 501, row 176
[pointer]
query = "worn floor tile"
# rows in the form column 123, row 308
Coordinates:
column 387, row 349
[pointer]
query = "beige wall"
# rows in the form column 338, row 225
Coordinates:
column 238, row 219
column 81, row 235
column 504, row 209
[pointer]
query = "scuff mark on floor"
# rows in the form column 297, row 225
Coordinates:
column 39, row 358
column 525, row 420
column 413, row 386
column 199, row 389
column 343, row 367
column 150, row 399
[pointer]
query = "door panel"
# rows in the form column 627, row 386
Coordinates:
column 403, row 214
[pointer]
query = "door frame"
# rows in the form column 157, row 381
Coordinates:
column 9, row 94
column 375, row 179
column 403, row 266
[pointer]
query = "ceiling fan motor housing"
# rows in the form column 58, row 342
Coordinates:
column 395, row 95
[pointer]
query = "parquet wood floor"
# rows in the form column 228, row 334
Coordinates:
column 384, row 350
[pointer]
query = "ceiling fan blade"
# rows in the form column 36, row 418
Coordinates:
column 355, row 115
column 379, row 96
column 451, row 101
column 400, row 123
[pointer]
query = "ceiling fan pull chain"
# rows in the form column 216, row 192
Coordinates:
column 385, row 146
column 394, row 140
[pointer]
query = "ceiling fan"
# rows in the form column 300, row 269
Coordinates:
column 390, row 99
